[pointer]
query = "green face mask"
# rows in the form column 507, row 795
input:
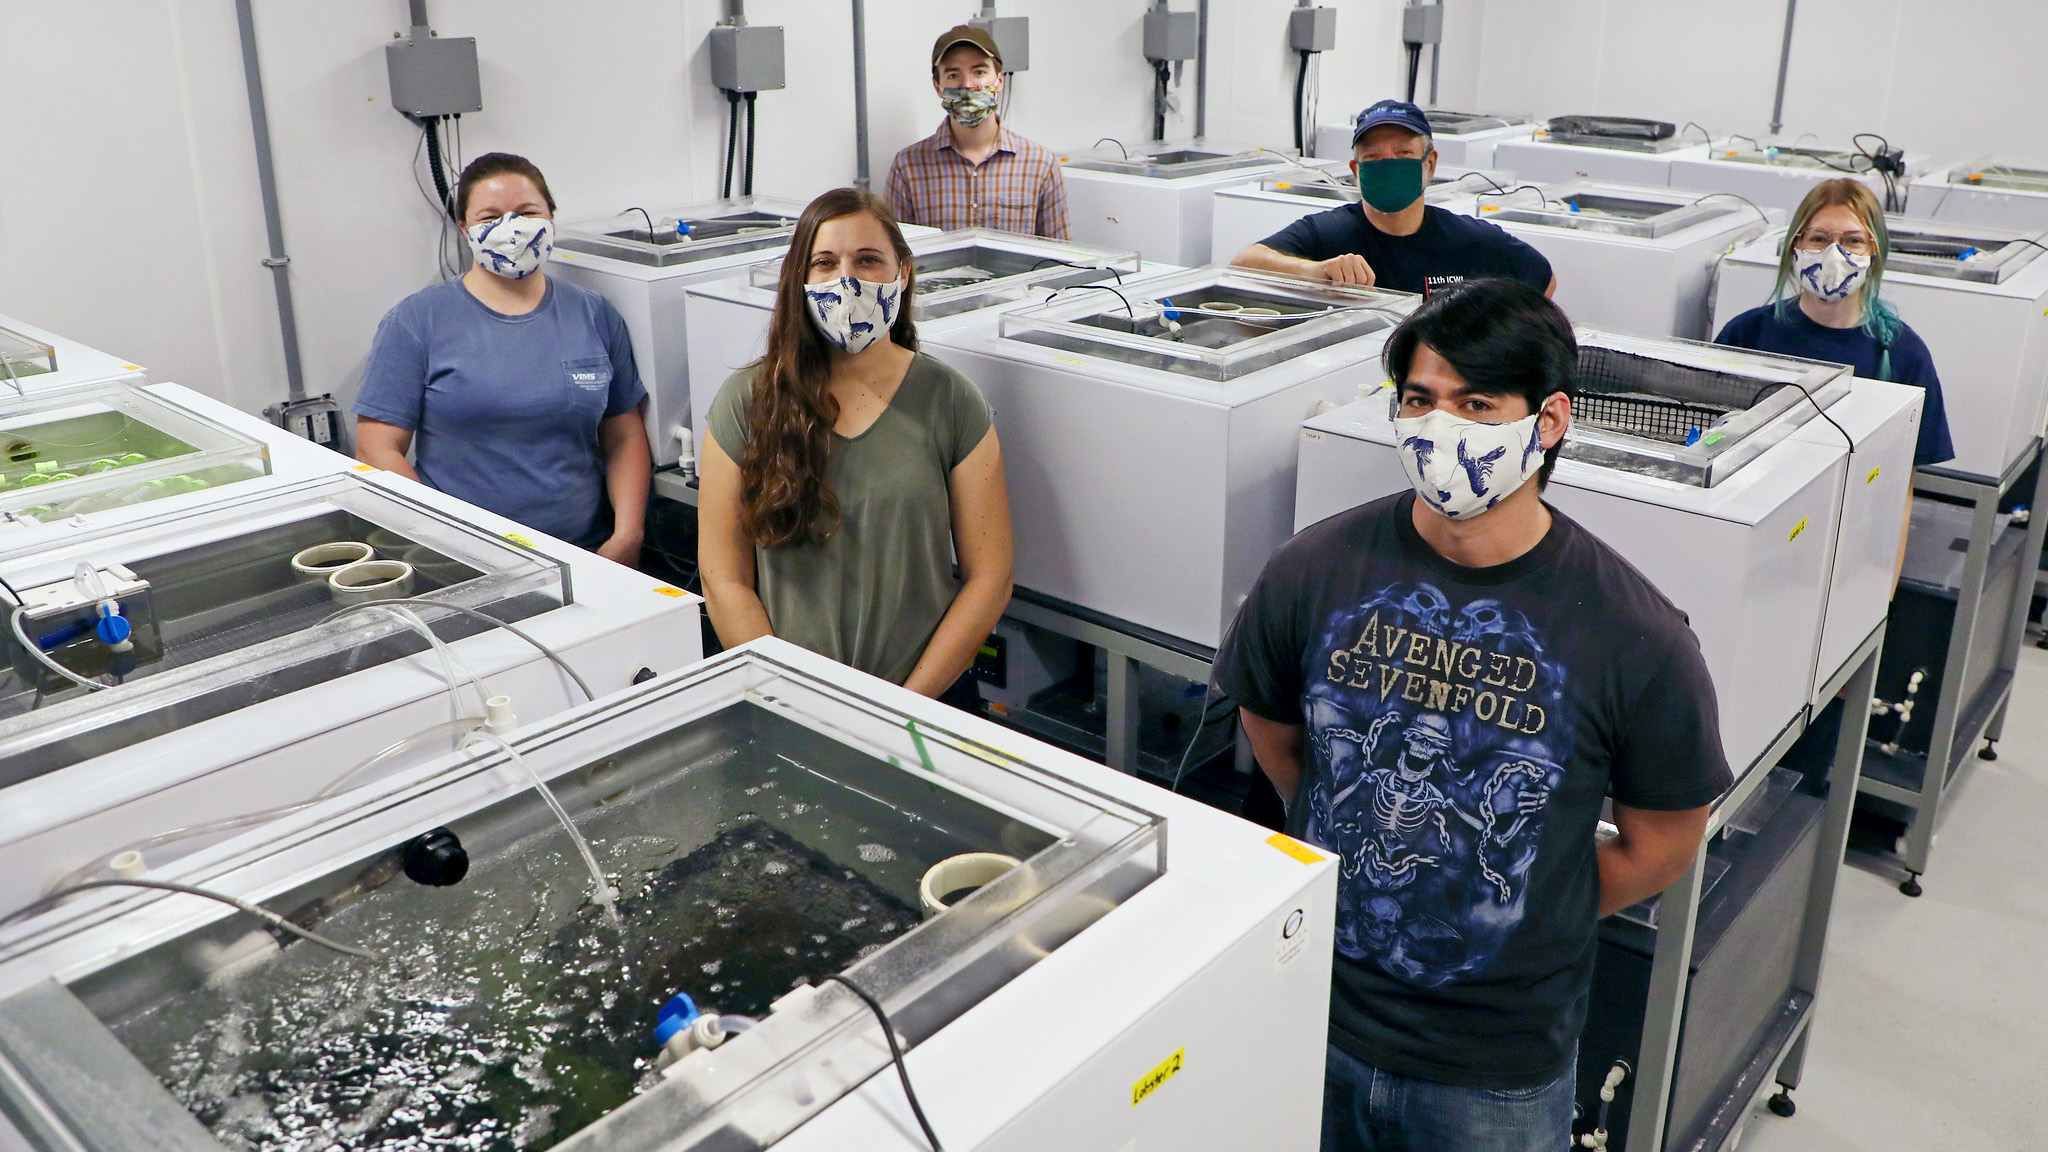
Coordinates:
column 1389, row 185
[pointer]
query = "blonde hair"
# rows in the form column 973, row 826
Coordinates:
column 1878, row 317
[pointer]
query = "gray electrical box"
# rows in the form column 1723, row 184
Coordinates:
column 747, row 58
column 1012, row 35
column 1172, row 35
column 434, row 76
column 1422, row 24
column 1312, row 29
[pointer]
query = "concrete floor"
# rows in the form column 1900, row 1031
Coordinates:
column 1933, row 1025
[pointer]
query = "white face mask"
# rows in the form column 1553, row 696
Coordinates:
column 512, row 246
column 1829, row 273
column 852, row 314
column 1462, row 468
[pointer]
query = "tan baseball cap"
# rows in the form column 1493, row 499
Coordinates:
column 965, row 34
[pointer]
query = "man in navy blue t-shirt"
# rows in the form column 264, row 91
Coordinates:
column 1392, row 239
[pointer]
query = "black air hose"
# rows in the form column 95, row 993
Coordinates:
column 732, row 141
column 430, row 125
column 747, row 187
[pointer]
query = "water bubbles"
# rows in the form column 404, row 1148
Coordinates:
column 776, row 867
column 711, row 967
column 875, row 853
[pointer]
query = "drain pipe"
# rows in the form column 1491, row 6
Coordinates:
column 1436, row 60
column 1202, row 69
column 861, row 177
column 1784, row 66
column 266, row 177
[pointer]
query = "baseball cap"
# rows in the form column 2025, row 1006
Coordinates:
column 1398, row 112
column 966, row 34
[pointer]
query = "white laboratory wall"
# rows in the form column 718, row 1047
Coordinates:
column 130, row 217
column 1947, row 77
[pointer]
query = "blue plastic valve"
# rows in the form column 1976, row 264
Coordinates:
column 679, row 1013
column 114, row 628
column 1170, row 312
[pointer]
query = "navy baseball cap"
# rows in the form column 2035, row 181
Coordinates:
column 1398, row 112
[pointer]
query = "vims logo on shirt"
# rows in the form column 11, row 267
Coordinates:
column 589, row 377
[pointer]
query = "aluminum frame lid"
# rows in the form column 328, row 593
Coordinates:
column 1016, row 267
column 1969, row 253
column 718, row 228
column 1173, row 159
column 118, row 950
column 1443, row 122
column 1991, row 172
column 1450, row 182
column 1164, row 323
column 1607, row 425
column 234, row 648
column 1612, row 209
column 138, row 447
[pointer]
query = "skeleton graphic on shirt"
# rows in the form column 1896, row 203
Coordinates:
column 1437, row 811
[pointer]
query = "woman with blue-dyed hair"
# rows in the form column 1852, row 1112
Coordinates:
column 1826, row 304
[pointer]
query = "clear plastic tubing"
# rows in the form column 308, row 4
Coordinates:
column 603, row 892
column 447, row 729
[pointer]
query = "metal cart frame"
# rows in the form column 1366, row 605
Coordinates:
column 1959, row 723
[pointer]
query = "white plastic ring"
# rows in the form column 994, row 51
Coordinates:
column 1221, row 306
column 371, row 580
column 324, row 560
column 968, row 870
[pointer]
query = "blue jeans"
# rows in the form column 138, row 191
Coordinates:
column 1369, row 1110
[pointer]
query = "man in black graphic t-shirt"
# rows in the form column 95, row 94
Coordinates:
column 1444, row 685
column 1392, row 239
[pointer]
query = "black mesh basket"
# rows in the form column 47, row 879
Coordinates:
column 1656, row 399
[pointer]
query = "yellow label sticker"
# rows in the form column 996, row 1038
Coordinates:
column 1489, row 207
column 1295, row 848
column 1151, row 1081
column 1872, row 478
column 1071, row 360
column 1797, row 529
column 131, row 367
column 522, row 541
column 675, row 593
column 366, row 467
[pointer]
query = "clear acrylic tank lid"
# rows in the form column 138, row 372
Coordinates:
column 1215, row 323
column 108, row 446
column 1686, row 411
column 22, row 356
column 1991, row 172
column 1443, row 122
column 968, row 269
column 1172, row 159
column 766, row 825
column 1612, row 209
column 1340, row 187
column 225, row 621
column 1976, row 253
column 662, row 237
column 1846, row 161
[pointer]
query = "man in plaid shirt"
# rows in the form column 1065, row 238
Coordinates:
column 973, row 172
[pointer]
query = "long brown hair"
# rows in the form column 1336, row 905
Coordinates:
column 784, row 496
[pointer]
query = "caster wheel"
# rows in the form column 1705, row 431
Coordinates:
column 1987, row 752
column 1781, row 1105
column 1911, row 886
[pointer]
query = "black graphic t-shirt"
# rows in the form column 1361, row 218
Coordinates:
column 1462, row 727
column 1447, row 249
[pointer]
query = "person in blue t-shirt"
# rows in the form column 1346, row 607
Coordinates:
column 1835, row 256
column 1393, row 239
column 513, row 391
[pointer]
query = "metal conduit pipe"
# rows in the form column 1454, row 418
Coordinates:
column 266, row 177
column 1784, row 66
column 861, row 178
column 1202, row 69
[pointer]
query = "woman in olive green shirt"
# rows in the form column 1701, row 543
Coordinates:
column 845, row 471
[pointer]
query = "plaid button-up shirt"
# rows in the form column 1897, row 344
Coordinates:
column 1017, row 189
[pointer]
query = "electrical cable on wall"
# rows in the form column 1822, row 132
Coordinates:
column 732, row 141
column 747, row 186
